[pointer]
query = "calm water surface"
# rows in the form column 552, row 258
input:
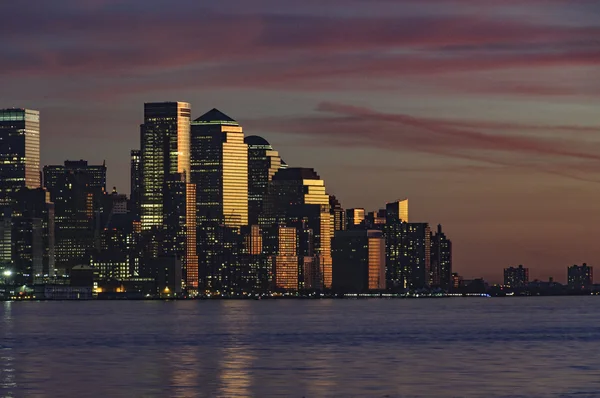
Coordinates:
column 511, row 347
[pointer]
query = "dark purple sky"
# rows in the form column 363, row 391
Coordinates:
column 485, row 113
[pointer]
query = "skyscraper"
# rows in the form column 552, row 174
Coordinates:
column 580, row 277
column 219, row 168
column 33, row 236
column 338, row 216
column 397, row 210
column 408, row 254
column 165, row 150
column 77, row 190
column 297, row 198
column 376, row 219
column 441, row 260
column 285, row 262
column 516, row 277
column 136, row 183
column 19, row 152
column 355, row 218
column 263, row 163
column 358, row 261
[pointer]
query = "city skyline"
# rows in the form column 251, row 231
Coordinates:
column 480, row 114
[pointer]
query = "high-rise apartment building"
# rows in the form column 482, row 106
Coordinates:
column 263, row 163
column 358, row 261
column 297, row 198
column 165, row 150
column 19, row 152
column 516, row 277
column 580, row 277
column 408, row 254
column 441, row 260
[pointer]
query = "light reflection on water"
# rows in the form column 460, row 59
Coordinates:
column 7, row 372
column 517, row 347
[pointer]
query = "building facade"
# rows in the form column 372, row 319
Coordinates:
column 355, row 218
column 77, row 190
column 441, row 260
column 358, row 261
column 397, row 211
column 408, row 254
column 165, row 150
column 580, row 277
column 263, row 163
column 516, row 277
column 19, row 152
column 135, row 183
column 298, row 199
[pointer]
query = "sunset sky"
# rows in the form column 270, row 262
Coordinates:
column 484, row 113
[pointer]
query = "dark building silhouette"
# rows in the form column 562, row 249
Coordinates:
column 263, row 163
column 358, row 261
column 31, row 236
column 19, row 152
column 376, row 219
column 441, row 260
column 580, row 277
column 516, row 277
column 77, row 190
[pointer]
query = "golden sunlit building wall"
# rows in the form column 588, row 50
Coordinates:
column 285, row 263
column 219, row 167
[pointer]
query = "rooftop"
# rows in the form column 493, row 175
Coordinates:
column 215, row 116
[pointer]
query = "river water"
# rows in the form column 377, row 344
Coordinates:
column 454, row 347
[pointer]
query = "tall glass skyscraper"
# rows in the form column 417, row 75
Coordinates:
column 19, row 152
column 263, row 163
column 219, row 167
column 165, row 150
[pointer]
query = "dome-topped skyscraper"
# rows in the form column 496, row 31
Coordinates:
column 263, row 163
